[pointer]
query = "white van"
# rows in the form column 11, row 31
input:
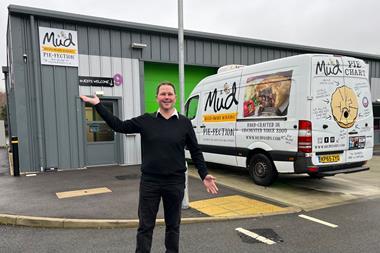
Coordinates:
column 308, row 113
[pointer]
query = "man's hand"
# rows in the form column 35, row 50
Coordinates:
column 210, row 184
column 95, row 100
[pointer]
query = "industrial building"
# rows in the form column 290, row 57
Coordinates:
column 54, row 57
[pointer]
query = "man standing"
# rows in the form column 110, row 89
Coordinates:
column 164, row 135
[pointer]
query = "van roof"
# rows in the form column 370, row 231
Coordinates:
column 300, row 57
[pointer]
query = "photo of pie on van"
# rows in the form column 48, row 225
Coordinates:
column 344, row 106
column 267, row 95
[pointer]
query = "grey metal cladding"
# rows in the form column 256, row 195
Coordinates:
column 277, row 54
column 244, row 55
column 251, row 55
column 199, row 52
column 72, row 124
column 126, row 50
column 115, row 43
column 105, row 42
column 237, row 54
column 50, row 116
column 93, row 41
column 207, row 54
column 83, row 40
column 59, row 91
column 164, row 49
column 222, row 54
column 215, row 54
column 230, row 54
column 146, row 39
column 62, row 119
column 190, row 51
column 155, row 48
column 21, row 126
column 173, row 49
column 136, row 37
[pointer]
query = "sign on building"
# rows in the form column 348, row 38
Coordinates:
column 58, row 47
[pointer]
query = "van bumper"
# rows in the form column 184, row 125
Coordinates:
column 302, row 164
column 345, row 171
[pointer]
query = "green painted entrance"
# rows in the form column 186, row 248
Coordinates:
column 155, row 73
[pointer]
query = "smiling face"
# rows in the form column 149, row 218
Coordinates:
column 166, row 97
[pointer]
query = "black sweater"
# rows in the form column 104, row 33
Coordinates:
column 162, row 143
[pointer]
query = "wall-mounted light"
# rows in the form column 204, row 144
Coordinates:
column 138, row 45
column 99, row 93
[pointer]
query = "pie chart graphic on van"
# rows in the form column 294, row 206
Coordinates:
column 344, row 106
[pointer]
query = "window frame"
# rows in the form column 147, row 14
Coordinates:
column 187, row 107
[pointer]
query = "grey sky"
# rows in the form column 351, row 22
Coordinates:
column 338, row 24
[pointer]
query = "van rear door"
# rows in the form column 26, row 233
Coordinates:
column 360, row 135
column 341, row 112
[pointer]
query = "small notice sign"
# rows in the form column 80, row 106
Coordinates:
column 96, row 81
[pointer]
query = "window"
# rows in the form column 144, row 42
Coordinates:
column 96, row 128
column 191, row 107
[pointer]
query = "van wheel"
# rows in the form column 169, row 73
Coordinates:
column 316, row 175
column 262, row 170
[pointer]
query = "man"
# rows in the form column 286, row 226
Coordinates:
column 164, row 135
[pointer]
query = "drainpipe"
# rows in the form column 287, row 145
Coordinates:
column 37, row 81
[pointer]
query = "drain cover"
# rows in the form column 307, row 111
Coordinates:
column 125, row 177
column 264, row 232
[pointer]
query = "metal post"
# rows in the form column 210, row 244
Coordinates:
column 16, row 166
column 181, row 70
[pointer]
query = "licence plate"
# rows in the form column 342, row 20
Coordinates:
column 329, row 158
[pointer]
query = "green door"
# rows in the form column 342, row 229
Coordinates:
column 154, row 73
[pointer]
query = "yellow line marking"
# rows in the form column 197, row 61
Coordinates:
column 84, row 192
column 234, row 205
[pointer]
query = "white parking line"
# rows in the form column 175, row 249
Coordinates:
column 255, row 236
column 318, row 221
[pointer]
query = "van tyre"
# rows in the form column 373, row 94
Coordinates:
column 262, row 170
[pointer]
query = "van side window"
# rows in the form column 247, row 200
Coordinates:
column 191, row 107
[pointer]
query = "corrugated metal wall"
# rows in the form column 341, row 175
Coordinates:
column 58, row 101
column 164, row 48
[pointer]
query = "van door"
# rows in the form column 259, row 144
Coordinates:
column 340, row 110
column 219, row 100
column 360, row 134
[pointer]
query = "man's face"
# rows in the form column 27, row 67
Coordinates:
column 166, row 97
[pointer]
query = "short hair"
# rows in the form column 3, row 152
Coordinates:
column 165, row 83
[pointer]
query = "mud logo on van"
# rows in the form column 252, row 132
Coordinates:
column 219, row 103
column 331, row 68
column 267, row 95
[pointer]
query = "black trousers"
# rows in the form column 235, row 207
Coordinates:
column 149, row 201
